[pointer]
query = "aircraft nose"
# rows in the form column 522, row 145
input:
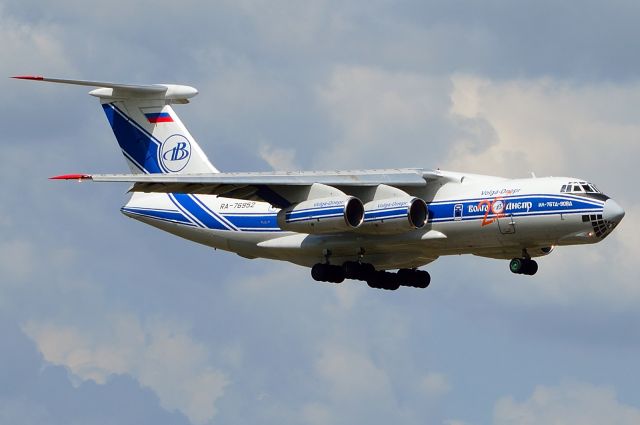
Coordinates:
column 612, row 211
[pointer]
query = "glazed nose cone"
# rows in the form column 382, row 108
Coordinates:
column 612, row 211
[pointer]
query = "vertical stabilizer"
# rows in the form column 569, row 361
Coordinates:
column 150, row 134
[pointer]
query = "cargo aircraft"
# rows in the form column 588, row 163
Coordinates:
column 355, row 224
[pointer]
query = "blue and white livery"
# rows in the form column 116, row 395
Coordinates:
column 356, row 224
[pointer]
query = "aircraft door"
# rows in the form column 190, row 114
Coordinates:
column 507, row 224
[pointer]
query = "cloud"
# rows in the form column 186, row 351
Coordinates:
column 555, row 127
column 383, row 118
column 278, row 159
column 544, row 125
column 160, row 355
column 435, row 384
column 567, row 403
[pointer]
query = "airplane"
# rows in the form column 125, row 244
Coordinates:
column 353, row 224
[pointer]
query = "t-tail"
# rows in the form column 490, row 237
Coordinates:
column 152, row 137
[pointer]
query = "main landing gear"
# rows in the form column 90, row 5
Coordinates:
column 378, row 279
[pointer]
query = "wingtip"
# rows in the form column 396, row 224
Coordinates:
column 29, row 77
column 71, row 177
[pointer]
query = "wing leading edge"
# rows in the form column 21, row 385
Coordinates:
column 280, row 189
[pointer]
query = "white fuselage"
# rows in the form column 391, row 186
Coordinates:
column 468, row 214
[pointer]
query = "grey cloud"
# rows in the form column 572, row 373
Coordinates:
column 33, row 392
column 266, row 323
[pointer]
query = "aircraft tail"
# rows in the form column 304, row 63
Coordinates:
column 152, row 137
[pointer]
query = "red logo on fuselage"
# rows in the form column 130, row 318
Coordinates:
column 495, row 208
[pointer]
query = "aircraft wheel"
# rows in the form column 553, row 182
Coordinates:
column 531, row 268
column 327, row 273
column 523, row 266
column 351, row 270
column 414, row 278
column 517, row 265
column 422, row 279
column 318, row 272
column 383, row 280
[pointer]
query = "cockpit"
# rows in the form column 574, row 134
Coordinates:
column 579, row 187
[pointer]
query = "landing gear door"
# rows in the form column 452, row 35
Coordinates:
column 507, row 224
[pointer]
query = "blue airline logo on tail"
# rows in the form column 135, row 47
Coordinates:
column 175, row 153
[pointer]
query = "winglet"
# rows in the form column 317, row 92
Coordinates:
column 78, row 177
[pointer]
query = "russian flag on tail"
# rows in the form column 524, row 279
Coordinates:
column 156, row 117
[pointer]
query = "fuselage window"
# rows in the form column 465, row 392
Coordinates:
column 586, row 188
column 576, row 189
column 564, row 188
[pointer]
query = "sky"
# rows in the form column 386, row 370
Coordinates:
column 104, row 320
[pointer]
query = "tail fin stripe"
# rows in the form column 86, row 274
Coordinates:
column 139, row 145
column 134, row 162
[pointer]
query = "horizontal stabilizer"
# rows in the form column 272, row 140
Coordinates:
column 113, row 90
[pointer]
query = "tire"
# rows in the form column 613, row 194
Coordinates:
column 406, row 277
column 335, row 274
column 318, row 272
column 376, row 280
column 531, row 267
column 352, row 270
column 423, row 279
column 517, row 265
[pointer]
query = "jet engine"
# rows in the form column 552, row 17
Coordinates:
column 394, row 215
column 323, row 215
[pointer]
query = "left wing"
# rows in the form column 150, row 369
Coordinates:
column 280, row 189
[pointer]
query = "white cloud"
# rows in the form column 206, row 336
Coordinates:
column 352, row 375
column 435, row 384
column 544, row 125
column 568, row 403
column 279, row 159
column 317, row 414
column 26, row 44
column 160, row 355
column 558, row 128
column 382, row 118
column 17, row 259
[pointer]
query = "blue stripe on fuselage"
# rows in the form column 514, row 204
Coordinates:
column 192, row 212
column 518, row 205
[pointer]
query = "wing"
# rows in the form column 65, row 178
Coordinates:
column 280, row 189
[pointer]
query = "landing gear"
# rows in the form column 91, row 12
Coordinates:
column 383, row 280
column 414, row 278
column 357, row 271
column 523, row 266
column 327, row 273
column 378, row 279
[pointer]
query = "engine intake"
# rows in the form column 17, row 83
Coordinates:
column 394, row 215
column 323, row 215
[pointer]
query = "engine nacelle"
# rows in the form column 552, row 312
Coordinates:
column 323, row 215
column 394, row 215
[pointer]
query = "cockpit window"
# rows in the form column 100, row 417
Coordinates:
column 579, row 187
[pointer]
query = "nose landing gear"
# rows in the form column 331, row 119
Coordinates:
column 525, row 266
